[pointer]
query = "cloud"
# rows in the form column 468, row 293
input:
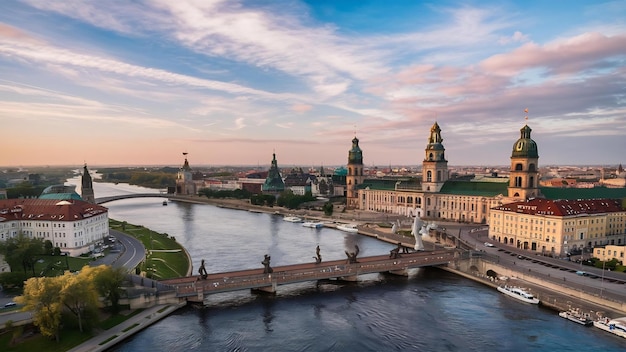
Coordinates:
column 301, row 108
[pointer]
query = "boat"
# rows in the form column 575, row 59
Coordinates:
column 164, row 202
column 348, row 228
column 292, row 218
column 519, row 293
column 577, row 317
column 615, row 326
column 312, row 224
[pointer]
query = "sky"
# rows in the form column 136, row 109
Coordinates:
column 231, row 82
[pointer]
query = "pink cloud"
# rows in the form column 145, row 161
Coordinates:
column 301, row 108
column 566, row 56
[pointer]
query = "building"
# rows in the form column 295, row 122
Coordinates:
column 273, row 182
column 354, row 177
column 73, row 225
column 86, row 190
column 557, row 227
column 185, row 184
column 609, row 252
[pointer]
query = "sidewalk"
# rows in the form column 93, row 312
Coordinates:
column 108, row 338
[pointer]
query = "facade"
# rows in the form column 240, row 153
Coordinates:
column 435, row 195
column 608, row 253
column 87, row 187
column 557, row 227
column 72, row 225
column 355, row 176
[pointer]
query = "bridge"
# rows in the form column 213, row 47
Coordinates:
column 103, row 200
column 195, row 288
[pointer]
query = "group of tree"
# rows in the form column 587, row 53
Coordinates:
column 71, row 299
column 290, row 200
column 21, row 251
column 158, row 178
column 267, row 200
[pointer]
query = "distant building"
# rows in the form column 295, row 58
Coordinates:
column 87, row 187
column 72, row 225
column 185, row 183
column 273, row 182
column 557, row 227
column 355, row 176
column 609, row 252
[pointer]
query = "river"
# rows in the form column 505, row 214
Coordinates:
column 431, row 310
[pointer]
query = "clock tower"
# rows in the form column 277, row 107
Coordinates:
column 355, row 175
column 524, row 174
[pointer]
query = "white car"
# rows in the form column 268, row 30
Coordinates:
column 487, row 244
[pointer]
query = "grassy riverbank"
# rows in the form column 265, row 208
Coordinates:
column 165, row 257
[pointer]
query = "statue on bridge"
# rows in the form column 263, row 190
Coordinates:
column 202, row 270
column 266, row 264
column 352, row 255
column 395, row 253
column 318, row 256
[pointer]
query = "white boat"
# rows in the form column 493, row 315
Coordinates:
column 292, row 219
column 348, row 228
column 315, row 225
column 577, row 317
column 615, row 326
column 519, row 293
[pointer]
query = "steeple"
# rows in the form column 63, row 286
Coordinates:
column 87, row 186
column 435, row 165
column 524, row 173
column 355, row 174
column 274, row 182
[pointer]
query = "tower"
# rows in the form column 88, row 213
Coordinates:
column 355, row 174
column 273, row 182
column 435, row 165
column 524, row 174
column 184, row 180
column 86, row 189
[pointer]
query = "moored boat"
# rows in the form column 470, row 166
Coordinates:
column 615, row 326
column 164, row 202
column 348, row 228
column 312, row 224
column 292, row 218
column 577, row 317
column 518, row 293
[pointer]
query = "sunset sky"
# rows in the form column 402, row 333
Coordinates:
column 121, row 82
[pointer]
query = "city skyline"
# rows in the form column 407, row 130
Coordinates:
column 231, row 82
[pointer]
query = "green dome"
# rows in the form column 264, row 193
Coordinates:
column 525, row 147
column 355, row 155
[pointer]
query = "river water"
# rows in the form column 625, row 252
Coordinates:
column 431, row 310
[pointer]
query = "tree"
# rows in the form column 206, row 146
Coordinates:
column 22, row 250
column 78, row 292
column 108, row 282
column 42, row 296
column 48, row 247
column 328, row 208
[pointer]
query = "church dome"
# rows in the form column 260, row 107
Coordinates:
column 525, row 147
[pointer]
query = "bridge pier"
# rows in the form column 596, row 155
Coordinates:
column 350, row 278
column 265, row 289
column 401, row 272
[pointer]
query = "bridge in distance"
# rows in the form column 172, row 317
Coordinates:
column 103, row 200
column 195, row 288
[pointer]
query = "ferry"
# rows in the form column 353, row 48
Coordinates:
column 519, row 293
column 348, row 228
column 615, row 326
column 315, row 225
column 577, row 317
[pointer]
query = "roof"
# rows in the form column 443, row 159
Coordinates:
column 48, row 209
column 582, row 193
column 60, row 196
column 564, row 207
column 473, row 188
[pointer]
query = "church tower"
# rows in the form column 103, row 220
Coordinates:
column 184, row 180
column 435, row 165
column 524, row 174
column 274, row 183
column 355, row 174
column 86, row 189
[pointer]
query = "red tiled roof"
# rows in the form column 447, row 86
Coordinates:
column 48, row 209
column 563, row 207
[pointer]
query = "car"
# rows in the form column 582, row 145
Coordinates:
column 487, row 244
column 10, row 304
